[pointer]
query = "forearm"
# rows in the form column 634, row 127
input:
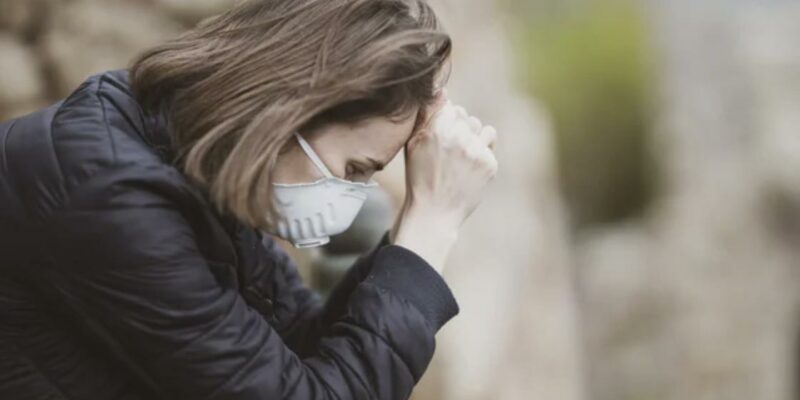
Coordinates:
column 302, row 332
column 428, row 234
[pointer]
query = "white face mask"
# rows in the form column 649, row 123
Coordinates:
column 311, row 212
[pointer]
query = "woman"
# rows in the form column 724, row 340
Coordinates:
column 137, row 214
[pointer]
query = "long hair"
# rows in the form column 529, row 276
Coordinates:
column 235, row 87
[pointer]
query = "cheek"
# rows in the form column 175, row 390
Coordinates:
column 293, row 167
column 335, row 152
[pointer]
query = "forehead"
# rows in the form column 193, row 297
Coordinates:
column 379, row 138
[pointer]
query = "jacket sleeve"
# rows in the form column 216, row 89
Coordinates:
column 125, row 250
column 302, row 316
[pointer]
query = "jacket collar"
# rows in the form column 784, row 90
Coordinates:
column 152, row 129
column 158, row 136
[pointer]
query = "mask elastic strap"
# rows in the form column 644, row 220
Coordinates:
column 313, row 156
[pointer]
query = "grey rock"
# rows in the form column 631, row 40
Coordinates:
column 20, row 81
column 191, row 11
column 700, row 299
column 24, row 17
column 87, row 37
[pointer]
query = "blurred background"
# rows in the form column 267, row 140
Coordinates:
column 642, row 239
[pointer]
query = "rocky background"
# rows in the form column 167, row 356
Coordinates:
column 698, row 298
column 49, row 46
column 642, row 241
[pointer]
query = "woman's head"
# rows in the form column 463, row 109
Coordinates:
column 354, row 76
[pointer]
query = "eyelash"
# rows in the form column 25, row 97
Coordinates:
column 354, row 171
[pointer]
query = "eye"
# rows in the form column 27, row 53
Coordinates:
column 356, row 173
column 351, row 170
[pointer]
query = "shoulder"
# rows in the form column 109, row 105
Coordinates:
column 94, row 133
column 131, row 185
column 99, row 126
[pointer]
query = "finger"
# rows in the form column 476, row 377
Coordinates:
column 487, row 157
column 488, row 136
column 445, row 119
column 460, row 128
column 461, row 112
column 493, row 166
column 475, row 124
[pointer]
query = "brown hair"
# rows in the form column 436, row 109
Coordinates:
column 235, row 87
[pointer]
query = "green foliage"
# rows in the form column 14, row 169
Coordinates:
column 588, row 63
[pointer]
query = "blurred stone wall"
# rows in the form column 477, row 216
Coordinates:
column 699, row 300
column 47, row 47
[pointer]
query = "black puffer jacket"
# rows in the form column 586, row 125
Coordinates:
column 119, row 280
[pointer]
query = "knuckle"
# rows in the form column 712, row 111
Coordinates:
column 474, row 154
column 490, row 161
column 464, row 141
column 475, row 147
column 489, row 133
column 475, row 124
column 465, row 152
column 445, row 136
column 494, row 166
column 462, row 128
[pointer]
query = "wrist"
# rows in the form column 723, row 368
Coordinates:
column 396, row 225
column 430, row 226
column 427, row 213
column 430, row 235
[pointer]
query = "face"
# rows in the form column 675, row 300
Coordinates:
column 350, row 152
